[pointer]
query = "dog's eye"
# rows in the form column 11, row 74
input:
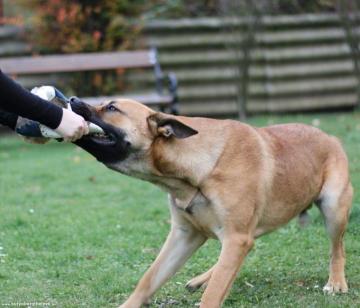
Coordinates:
column 111, row 108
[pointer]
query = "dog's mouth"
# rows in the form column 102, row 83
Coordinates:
column 108, row 147
column 105, row 138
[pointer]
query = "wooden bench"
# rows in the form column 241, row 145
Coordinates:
column 165, row 92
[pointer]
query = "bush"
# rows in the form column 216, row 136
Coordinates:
column 71, row 26
column 78, row 25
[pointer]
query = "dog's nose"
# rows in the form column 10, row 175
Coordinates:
column 81, row 108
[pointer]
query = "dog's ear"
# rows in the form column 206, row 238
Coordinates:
column 163, row 125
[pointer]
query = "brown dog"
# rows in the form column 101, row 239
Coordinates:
column 228, row 181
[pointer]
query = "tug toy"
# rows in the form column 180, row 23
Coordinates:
column 30, row 128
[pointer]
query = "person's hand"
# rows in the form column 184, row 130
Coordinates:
column 72, row 126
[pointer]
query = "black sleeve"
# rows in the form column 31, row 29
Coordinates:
column 16, row 99
column 8, row 119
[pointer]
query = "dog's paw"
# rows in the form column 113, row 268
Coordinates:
column 195, row 284
column 333, row 287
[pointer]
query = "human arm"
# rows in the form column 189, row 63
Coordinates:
column 17, row 100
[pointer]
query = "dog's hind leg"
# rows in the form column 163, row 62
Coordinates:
column 335, row 203
column 199, row 281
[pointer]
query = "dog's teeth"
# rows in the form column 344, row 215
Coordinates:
column 101, row 135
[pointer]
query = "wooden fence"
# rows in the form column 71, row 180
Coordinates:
column 299, row 63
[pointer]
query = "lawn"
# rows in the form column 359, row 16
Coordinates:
column 75, row 234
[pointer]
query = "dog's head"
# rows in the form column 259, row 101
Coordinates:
column 130, row 129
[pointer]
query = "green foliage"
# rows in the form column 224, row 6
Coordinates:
column 84, row 26
column 69, row 26
column 75, row 234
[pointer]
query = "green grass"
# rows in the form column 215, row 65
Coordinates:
column 75, row 234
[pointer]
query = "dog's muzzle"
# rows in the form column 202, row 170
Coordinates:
column 108, row 147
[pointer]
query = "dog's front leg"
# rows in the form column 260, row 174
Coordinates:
column 234, row 250
column 181, row 243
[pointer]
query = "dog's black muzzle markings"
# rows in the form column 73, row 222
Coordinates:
column 109, row 148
